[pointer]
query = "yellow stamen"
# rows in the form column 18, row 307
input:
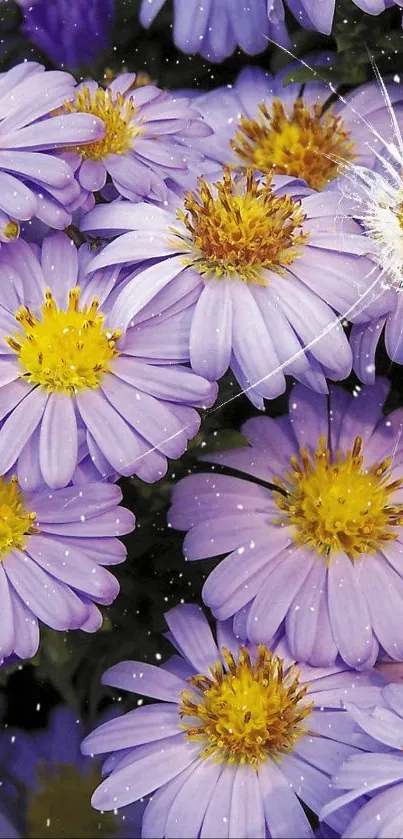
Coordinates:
column 247, row 712
column 64, row 350
column 305, row 143
column 12, row 230
column 16, row 522
column 334, row 504
column 116, row 112
column 60, row 805
column 239, row 231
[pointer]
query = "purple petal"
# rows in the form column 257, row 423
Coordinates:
column 274, row 599
column 283, row 812
column 186, row 815
column 217, row 818
column 246, row 814
column 69, row 504
column 210, row 350
column 74, row 568
column 364, row 339
column 153, row 765
column 26, row 629
column 59, row 423
column 143, row 725
column 60, row 266
column 385, row 603
column 145, row 679
column 157, row 810
column 193, row 636
column 92, row 175
column 19, row 426
column 114, row 437
column 7, row 630
column 148, row 416
column 348, row 610
column 303, row 616
column 16, row 199
column 53, row 602
column 309, row 416
column 65, row 130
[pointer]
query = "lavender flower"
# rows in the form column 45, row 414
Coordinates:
column 313, row 529
column 68, row 373
column 70, row 34
column 34, row 183
column 272, row 263
column 261, row 124
column 378, row 773
column 53, row 547
column 216, row 27
column 241, row 737
column 139, row 150
column 318, row 14
column 46, row 784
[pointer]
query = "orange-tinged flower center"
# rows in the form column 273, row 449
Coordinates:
column 305, row 143
column 240, row 229
column 248, row 712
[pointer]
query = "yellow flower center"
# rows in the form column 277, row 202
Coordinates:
column 64, row 351
column 12, row 230
column 306, row 143
column 337, row 505
column 240, row 231
column 60, row 808
column 248, row 712
column 15, row 521
column 116, row 113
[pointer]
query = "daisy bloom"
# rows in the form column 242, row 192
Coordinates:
column 296, row 130
column 70, row 34
column 312, row 528
column 216, row 27
column 241, row 737
column 376, row 200
column 273, row 264
column 34, row 183
column 377, row 773
column 53, row 546
column 67, row 373
column 46, row 785
column 138, row 150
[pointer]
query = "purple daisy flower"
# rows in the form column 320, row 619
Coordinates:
column 378, row 773
column 70, row 34
column 68, row 373
column 46, row 785
column 34, row 183
column 241, row 737
column 216, row 27
column 273, row 265
column 139, row 150
column 313, row 528
column 262, row 125
column 53, row 548
column 319, row 14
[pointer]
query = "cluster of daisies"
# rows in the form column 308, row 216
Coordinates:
column 149, row 244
